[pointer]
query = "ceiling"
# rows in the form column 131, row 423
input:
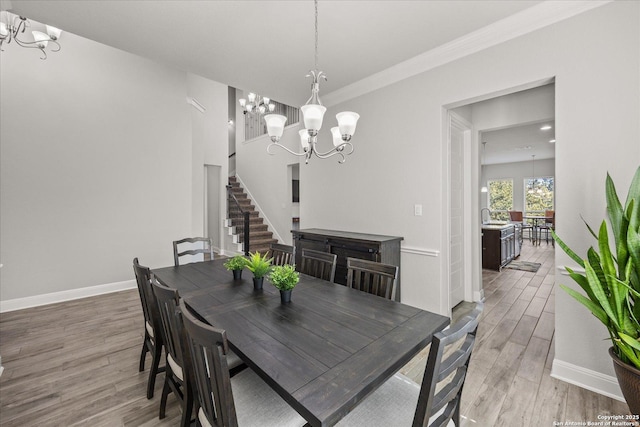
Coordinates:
column 519, row 143
column 267, row 46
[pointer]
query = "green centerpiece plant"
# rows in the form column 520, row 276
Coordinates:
column 259, row 264
column 284, row 278
column 236, row 264
column 611, row 282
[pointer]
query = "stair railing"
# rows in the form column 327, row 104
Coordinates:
column 235, row 213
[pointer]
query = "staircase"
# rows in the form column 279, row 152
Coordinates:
column 260, row 238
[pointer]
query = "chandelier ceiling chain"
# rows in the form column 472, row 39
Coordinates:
column 12, row 26
column 313, row 114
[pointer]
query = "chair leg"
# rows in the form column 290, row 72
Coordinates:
column 154, row 370
column 188, row 406
column 143, row 354
column 165, row 393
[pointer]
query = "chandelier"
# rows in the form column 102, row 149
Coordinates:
column 12, row 28
column 313, row 113
column 534, row 180
column 256, row 103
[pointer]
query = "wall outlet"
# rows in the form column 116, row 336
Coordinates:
column 417, row 210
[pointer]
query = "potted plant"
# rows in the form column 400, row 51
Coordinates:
column 236, row 264
column 259, row 265
column 612, row 284
column 285, row 278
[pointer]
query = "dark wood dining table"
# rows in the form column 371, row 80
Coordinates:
column 325, row 351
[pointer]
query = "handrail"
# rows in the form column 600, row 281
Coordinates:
column 232, row 202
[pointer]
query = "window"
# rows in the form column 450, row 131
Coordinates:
column 538, row 194
column 500, row 198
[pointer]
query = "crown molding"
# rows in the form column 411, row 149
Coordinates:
column 521, row 23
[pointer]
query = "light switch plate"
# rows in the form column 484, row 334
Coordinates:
column 417, row 210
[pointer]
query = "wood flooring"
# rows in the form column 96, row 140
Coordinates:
column 76, row 363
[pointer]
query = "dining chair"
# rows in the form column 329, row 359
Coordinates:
column 372, row 277
column 435, row 403
column 152, row 342
column 244, row 399
column 516, row 217
column 177, row 377
column 281, row 254
column 549, row 224
column 203, row 245
column 318, row 264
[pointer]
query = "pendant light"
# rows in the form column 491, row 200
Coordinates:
column 484, row 188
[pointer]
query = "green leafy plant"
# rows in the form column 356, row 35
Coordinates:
column 284, row 277
column 612, row 282
column 238, row 262
column 259, row 264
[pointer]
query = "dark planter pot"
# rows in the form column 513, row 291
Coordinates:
column 285, row 296
column 629, row 380
column 237, row 274
column 257, row 283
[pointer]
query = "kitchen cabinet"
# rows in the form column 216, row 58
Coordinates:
column 498, row 246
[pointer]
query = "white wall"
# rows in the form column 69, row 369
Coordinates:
column 517, row 171
column 96, row 166
column 399, row 159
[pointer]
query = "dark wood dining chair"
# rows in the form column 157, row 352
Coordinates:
column 438, row 398
column 318, row 264
column 178, row 373
column 204, row 246
column 244, row 399
column 282, row 254
column 152, row 325
column 516, row 217
column 372, row 277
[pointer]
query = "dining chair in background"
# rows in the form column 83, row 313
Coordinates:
column 516, row 217
column 372, row 277
column 244, row 399
column 204, row 245
column 152, row 325
column 178, row 373
column 281, row 254
column 318, row 264
column 549, row 224
column 437, row 401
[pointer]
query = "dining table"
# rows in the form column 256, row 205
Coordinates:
column 536, row 227
column 323, row 352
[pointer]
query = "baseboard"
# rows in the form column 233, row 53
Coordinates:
column 586, row 378
column 71, row 294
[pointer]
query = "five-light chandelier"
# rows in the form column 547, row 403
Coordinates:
column 13, row 27
column 313, row 113
column 256, row 104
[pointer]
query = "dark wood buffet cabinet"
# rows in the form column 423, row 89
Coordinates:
column 346, row 244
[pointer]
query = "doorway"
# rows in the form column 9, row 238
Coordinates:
column 527, row 105
column 212, row 217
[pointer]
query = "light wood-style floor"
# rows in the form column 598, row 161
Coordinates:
column 76, row 363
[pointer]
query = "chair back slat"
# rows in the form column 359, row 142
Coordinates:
column 206, row 249
column 372, row 277
column 167, row 300
column 281, row 254
column 440, row 370
column 319, row 264
column 209, row 348
column 516, row 216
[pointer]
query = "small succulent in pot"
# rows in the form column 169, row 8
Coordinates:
column 259, row 264
column 284, row 277
column 236, row 264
